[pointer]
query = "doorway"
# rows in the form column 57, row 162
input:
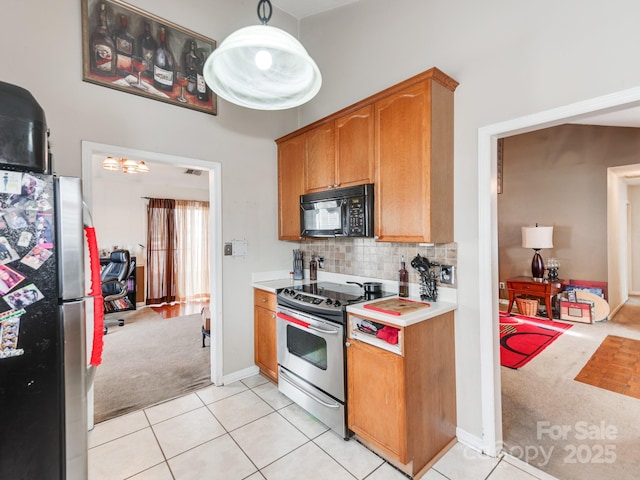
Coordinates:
column 91, row 150
column 488, row 136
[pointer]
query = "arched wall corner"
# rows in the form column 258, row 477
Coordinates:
column 91, row 149
column 488, row 241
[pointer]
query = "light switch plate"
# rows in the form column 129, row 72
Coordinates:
column 240, row 248
column 228, row 248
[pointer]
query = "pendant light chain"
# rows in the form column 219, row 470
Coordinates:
column 262, row 11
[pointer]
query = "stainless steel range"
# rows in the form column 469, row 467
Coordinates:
column 311, row 336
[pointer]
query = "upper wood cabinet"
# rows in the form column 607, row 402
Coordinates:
column 414, row 163
column 401, row 139
column 291, row 155
column 319, row 161
column 340, row 153
column 354, row 147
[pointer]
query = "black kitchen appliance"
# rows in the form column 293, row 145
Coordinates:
column 43, row 362
column 339, row 212
column 311, row 335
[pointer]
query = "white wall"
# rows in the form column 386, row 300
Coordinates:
column 511, row 59
column 42, row 52
column 634, row 247
column 120, row 207
column 617, row 238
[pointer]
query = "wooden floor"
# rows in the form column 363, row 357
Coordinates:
column 614, row 366
column 178, row 309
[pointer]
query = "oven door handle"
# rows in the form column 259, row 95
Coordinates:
column 291, row 381
column 290, row 319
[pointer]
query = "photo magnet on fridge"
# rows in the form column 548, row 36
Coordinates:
column 9, row 278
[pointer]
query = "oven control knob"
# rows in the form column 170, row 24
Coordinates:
column 328, row 301
column 337, row 303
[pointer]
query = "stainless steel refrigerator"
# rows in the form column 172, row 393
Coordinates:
column 43, row 359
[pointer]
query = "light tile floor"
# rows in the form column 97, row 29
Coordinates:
column 248, row 430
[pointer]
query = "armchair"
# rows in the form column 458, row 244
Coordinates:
column 114, row 278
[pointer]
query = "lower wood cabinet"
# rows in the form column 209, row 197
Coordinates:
column 264, row 324
column 403, row 405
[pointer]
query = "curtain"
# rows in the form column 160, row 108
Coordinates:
column 160, row 245
column 191, row 253
column 177, row 250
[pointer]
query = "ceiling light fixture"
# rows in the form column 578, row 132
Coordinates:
column 262, row 67
column 125, row 164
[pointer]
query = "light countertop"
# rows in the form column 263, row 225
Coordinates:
column 406, row 319
column 447, row 297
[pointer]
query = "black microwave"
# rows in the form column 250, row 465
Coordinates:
column 339, row 212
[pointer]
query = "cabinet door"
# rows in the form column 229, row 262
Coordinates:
column 291, row 156
column 265, row 355
column 320, row 165
column 354, row 147
column 376, row 400
column 402, row 127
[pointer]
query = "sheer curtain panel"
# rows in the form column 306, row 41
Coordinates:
column 178, row 250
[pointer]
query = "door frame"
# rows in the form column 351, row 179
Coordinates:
column 91, row 149
column 488, row 241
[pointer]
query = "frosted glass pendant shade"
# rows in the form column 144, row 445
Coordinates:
column 263, row 68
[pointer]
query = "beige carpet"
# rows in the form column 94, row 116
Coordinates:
column 567, row 428
column 148, row 360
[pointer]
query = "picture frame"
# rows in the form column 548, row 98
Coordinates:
column 122, row 49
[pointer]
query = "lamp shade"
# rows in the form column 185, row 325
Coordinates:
column 264, row 68
column 537, row 237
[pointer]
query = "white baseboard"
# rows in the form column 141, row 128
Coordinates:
column 469, row 440
column 522, row 465
column 239, row 375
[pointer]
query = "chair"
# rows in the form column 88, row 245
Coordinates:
column 206, row 324
column 114, row 277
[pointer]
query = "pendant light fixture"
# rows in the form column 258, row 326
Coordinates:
column 262, row 67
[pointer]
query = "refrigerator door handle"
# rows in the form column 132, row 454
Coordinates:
column 70, row 228
column 75, row 387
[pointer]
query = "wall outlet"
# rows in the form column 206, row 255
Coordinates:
column 447, row 274
column 502, row 286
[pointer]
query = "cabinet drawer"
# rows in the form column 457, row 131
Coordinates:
column 264, row 299
column 528, row 287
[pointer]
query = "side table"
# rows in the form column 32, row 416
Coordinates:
column 528, row 286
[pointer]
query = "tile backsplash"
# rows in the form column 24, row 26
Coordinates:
column 381, row 260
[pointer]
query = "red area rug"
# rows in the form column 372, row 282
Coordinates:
column 522, row 338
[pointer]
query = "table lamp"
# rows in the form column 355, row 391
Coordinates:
column 537, row 238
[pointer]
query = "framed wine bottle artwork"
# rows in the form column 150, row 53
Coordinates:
column 128, row 49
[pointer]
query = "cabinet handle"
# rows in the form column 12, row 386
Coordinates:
column 273, row 315
column 264, row 300
column 335, row 185
column 329, row 186
column 347, row 344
